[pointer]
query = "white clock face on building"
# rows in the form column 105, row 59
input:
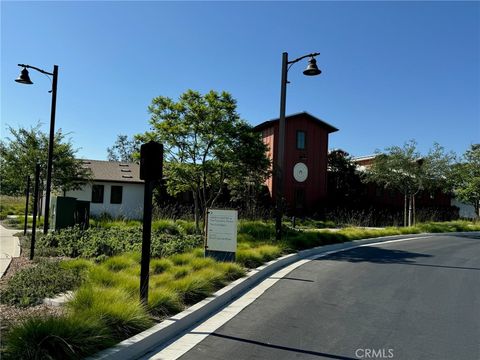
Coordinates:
column 300, row 172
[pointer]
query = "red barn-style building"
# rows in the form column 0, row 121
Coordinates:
column 305, row 167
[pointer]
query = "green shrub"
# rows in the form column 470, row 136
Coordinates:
column 99, row 243
column 31, row 285
column 165, row 245
column 56, row 338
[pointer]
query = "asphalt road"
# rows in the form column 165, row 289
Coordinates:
column 417, row 299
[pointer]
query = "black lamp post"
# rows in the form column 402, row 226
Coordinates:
column 311, row 70
column 24, row 78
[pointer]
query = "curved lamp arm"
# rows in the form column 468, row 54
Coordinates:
column 35, row 68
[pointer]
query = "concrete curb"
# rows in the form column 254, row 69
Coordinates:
column 166, row 331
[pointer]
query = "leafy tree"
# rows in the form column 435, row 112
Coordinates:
column 466, row 178
column 208, row 148
column 25, row 147
column 406, row 170
column 124, row 149
column 250, row 167
column 344, row 183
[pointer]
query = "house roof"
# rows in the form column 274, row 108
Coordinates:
column 358, row 159
column 303, row 114
column 113, row 171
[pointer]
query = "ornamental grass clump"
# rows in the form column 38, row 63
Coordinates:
column 158, row 266
column 121, row 262
column 166, row 226
column 192, row 288
column 69, row 337
column 117, row 308
column 258, row 230
column 163, row 302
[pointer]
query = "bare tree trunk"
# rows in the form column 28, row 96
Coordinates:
column 405, row 211
column 196, row 211
column 39, row 207
column 414, row 216
column 410, row 211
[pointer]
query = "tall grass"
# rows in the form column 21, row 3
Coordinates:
column 11, row 205
column 164, row 302
column 68, row 337
column 257, row 230
column 117, row 308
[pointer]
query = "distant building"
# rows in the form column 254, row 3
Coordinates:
column 380, row 196
column 305, row 167
column 115, row 189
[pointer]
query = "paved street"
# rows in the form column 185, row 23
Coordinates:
column 417, row 299
column 9, row 247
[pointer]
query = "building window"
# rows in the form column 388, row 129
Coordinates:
column 301, row 140
column 116, row 195
column 97, row 194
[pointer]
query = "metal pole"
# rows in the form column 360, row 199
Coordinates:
column 50, row 149
column 146, row 239
column 35, row 209
column 27, row 195
column 281, row 150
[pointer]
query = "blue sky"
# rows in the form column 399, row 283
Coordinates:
column 391, row 71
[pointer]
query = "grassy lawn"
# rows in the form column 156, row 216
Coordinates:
column 11, row 205
column 102, row 265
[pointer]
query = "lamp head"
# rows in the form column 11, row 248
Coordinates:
column 24, row 78
column 312, row 68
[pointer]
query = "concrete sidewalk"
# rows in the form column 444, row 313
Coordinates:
column 9, row 247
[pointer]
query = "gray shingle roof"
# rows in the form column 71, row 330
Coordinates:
column 113, row 171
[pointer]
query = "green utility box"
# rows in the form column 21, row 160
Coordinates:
column 82, row 214
column 68, row 211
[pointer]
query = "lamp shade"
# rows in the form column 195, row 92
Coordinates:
column 24, row 78
column 312, row 68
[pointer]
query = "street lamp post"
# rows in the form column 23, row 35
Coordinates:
column 311, row 70
column 24, row 78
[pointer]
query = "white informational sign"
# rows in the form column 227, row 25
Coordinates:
column 222, row 230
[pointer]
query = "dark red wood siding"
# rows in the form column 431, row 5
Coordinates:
column 314, row 156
